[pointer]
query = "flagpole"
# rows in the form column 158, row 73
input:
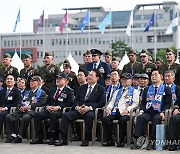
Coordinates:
column 177, row 39
column 155, row 37
column 89, row 30
column 20, row 39
column 67, row 34
column 132, row 33
column 44, row 39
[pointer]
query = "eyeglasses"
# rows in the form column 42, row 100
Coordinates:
column 142, row 56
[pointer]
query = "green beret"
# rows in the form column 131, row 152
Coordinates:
column 27, row 56
column 108, row 53
column 48, row 54
column 7, row 55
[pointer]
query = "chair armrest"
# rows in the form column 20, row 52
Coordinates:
column 66, row 109
column 13, row 109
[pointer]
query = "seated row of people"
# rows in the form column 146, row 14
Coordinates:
column 118, row 100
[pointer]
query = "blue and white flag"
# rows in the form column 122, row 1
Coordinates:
column 150, row 23
column 85, row 22
column 17, row 20
column 106, row 22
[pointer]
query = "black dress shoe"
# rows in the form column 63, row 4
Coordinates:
column 135, row 146
column 108, row 143
column 85, row 143
column 120, row 144
column 77, row 138
column 150, row 146
column 37, row 141
column 60, row 143
column 51, row 141
column 18, row 140
column 172, row 148
column 11, row 139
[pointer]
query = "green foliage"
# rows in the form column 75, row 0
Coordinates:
column 119, row 48
column 161, row 54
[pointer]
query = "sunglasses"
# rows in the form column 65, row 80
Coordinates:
column 142, row 56
column 131, row 55
column 169, row 54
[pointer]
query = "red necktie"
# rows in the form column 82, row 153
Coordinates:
column 57, row 94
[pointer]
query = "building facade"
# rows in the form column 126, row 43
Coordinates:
column 48, row 38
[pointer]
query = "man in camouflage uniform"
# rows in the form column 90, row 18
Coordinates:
column 171, row 65
column 133, row 66
column 28, row 71
column 49, row 71
column 7, row 68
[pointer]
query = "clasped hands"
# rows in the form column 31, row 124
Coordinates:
column 82, row 109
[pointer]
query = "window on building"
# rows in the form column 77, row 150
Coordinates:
column 15, row 43
column 140, row 39
column 75, row 41
column 41, row 42
column 41, row 56
column 150, row 39
column 79, row 41
column 11, row 43
column 60, row 42
column 26, row 43
column 37, row 42
column 75, row 53
column 79, row 53
column 56, row 41
column 34, row 42
column 52, row 42
column 71, row 41
column 4, row 43
column 23, row 44
column 8, row 44
column 37, row 54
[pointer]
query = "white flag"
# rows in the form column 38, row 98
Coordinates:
column 173, row 26
column 130, row 23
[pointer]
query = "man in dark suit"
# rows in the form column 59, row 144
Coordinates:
column 174, row 122
column 58, row 99
column 155, row 100
column 26, row 110
column 7, row 68
column 103, row 67
column 90, row 96
column 9, row 97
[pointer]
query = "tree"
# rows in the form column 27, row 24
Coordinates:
column 119, row 48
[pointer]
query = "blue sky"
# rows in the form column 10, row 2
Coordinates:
column 32, row 9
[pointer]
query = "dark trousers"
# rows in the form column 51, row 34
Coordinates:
column 2, row 117
column 72, row 116
column 108, row 126
column 174, row 124
column 44, row 115
column 145, row 118
column 24, row 118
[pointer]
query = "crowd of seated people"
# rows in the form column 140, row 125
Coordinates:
column 138, row 86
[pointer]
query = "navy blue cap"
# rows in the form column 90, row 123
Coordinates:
column 136, row 75
column 96, row 51
column 127, row 76
column 63, row 75
column 144, row 76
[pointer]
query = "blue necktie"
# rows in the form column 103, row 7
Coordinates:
column 88, row 94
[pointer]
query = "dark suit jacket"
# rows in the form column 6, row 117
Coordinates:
column 177, row 92
column 166, row 101
column 65, row 98
column 96, row 98
column 174, row 67
column 12, row 100
column 107, row 71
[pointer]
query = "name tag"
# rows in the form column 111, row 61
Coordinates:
column 60, row 99
column 9, row 98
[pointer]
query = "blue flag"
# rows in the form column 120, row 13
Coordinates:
column 17, row 20
column 85, row 22
column 106, row 22
column 150, row 23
